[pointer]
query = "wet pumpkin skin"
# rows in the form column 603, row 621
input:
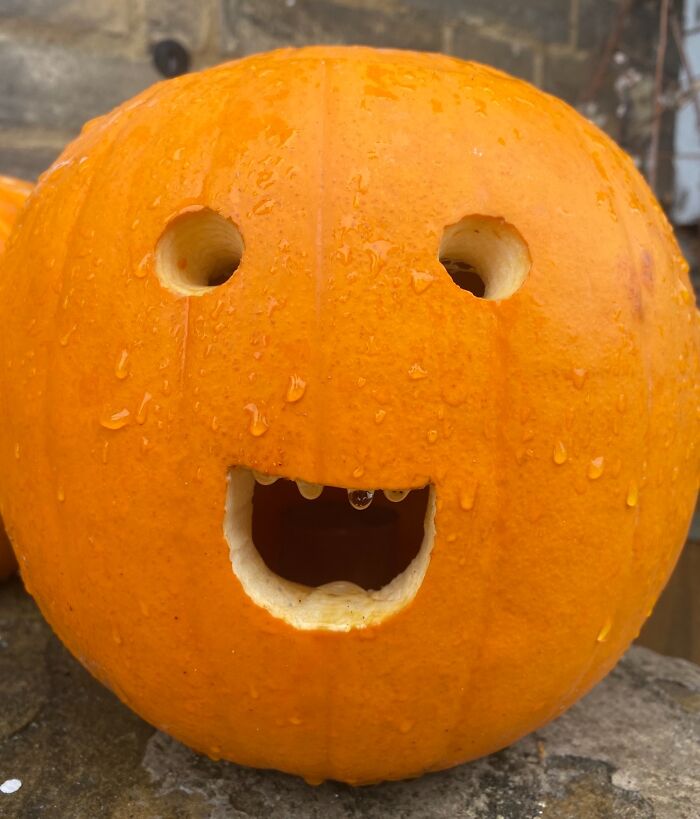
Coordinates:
column 13, row 193
column 342, row 167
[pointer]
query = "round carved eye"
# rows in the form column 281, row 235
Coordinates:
column 197, row 251
column 486, row 256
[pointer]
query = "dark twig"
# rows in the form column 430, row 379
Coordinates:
column 590, row 92
column 685, row 62
column 653, row 163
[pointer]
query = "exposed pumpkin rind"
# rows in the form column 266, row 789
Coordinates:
column 342, row 167
column 13, row 193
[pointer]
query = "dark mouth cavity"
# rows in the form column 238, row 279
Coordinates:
column 314, row 542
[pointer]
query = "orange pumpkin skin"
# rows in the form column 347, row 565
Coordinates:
column 13, row 193
column 342, row 167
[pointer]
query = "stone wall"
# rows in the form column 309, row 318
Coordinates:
column 65, row 61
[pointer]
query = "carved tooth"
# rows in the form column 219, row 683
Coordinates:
column 310, row 491
column 264, row 479
column 396, row 495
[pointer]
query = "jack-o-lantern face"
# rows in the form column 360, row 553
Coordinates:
column 363, row 272
column 13, row 193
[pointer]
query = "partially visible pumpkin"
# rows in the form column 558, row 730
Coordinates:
column 13, row 193
column 368, row 270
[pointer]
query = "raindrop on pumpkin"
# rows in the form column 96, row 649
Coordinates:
column 421, row 280
column 578, row 377
column 258, row 422
column 379, row 416
column 121, row 369
column 559, row 454
column 604, row 632
column 632, row 494
column 596, row 467
column 295, row 389
column 467, row 496
column 142, row 412
column 116, row 420
column 416, row 372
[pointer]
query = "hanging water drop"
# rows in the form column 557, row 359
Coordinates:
column 360, row 498
column 310, row 491
column 396, row 495
column 263, row 479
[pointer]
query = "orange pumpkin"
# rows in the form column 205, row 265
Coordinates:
column 13, row 192
column 364, row 270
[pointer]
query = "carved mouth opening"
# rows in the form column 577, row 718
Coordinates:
column 327, row 557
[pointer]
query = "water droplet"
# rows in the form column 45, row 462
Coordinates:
column 421, row 280
column 310, row 491
column 396, row 495
column 121, row 369
column 166, row 389
column 214, row 423
column 358, row 472
column 295, row 720
column 632, row 494
column 361, row 381
column 263, row 479
column 604, row 633
column 116, row 636
column 17, row 451
column 596, row 467
column 116, row 420
column 432, row 436
column 263, row 206
column 415, row 371
column 258, row 422
column 559, row 453
column 65, row 338
column 105, row 451
column 467, row 496
column 143, row 266
column 142, row 412
column 360, row 498
column 451, row 538
column 578, row 376
column 528, row 434
column 405, row 726
column 60, row 494
column 379, row 416
column 296, row 389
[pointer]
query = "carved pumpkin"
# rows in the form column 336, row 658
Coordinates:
column 13, row 192
column 362, row 271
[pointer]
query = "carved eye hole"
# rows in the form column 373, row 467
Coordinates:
column 485, row 256
column 197, row 251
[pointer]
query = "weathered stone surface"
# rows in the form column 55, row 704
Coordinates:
column 63, row 87
column 256, row 25
column 109, row 15
column 630, row 750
